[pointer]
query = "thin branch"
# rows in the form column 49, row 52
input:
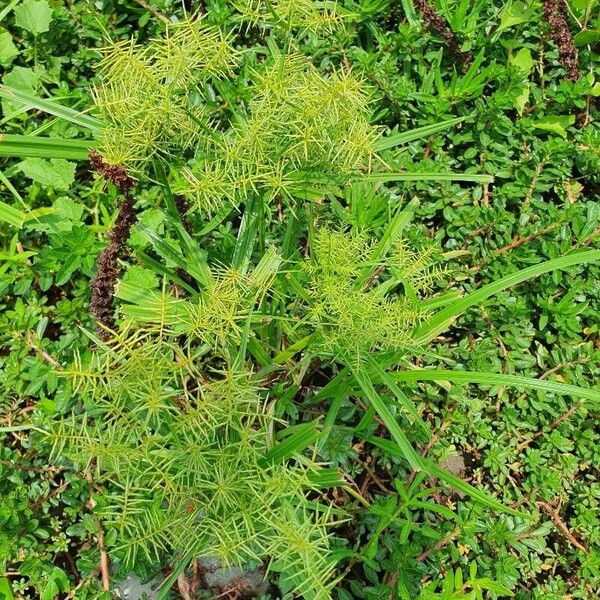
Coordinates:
column 515, row 243
column 154, row 11
column 184, row 587
column 564, row 417
column 30, row 340
column 561, row 525
column 440, row 544
column 104, row 561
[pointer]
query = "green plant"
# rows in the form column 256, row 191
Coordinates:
column 188, row 446
column 473, row 380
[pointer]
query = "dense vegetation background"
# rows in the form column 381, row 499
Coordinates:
column 523, row 77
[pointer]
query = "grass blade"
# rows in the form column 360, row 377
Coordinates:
column 12, row 216
column 445, row 317
column 456, row 482
column 301, row 437
column 420, row 176
column 405, row 402
column 408, row 452
column 51, row 107
column 517, row 381
column 7, row 9
column 199, row 271
column 28, row 146
column 169, row 582
column 403, row 448
column 397, row 139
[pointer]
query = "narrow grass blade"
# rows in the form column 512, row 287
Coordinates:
column 408, row 452
column 51, row 107
column 296, row 347
column 403, row 448
column 158, row 267
column 169, row 582
column 197, row 270
column 8, row 8
column 404, row 402
column 300, row 438
column 397, row 139
column 240, row 356
column 456, row 482
column 325, row 478
column 339, row 384
column 516, row 381
column 28, row 146
column 417, row 176
column 11, row 188
column 12, row 216
column 445, row 317
column 259, row 354
column 246, row 237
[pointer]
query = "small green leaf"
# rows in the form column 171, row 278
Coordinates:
column 56, row 173
column 586, row 37
column 34, row 15
column 522, row 61
column 8, row 50
column 555, row 124
column 513, row 13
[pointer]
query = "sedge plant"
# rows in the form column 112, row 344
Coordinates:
column 174, row 411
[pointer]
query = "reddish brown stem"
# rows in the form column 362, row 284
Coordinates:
column 561, row 525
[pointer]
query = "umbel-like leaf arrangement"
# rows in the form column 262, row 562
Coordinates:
column 294, row 131
column 355, row 312
column 185, row 436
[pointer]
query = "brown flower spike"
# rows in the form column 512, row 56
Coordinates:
column 104, row 282
column 555, row 13
column 436, row 23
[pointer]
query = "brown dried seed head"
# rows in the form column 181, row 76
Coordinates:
column 436, row 23
column 104, row 282
column 555, row 13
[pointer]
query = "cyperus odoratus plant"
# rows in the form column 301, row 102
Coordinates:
column 177, row 418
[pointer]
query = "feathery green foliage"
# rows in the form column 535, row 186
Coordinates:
column 294, row 132
column 264, row 104
column 353, row 321
column 145, row 92
column 302, row 16
column 183, row 442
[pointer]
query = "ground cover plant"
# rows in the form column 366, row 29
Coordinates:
column 303, row 290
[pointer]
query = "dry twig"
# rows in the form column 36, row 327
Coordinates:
column 562, row 526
